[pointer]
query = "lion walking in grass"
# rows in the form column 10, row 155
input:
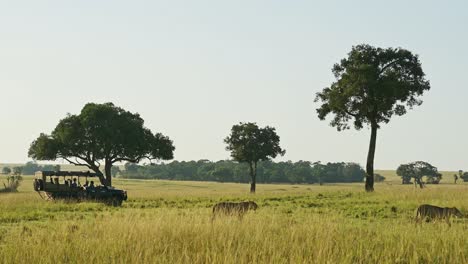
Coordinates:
column 429, row 212
column 230, row 208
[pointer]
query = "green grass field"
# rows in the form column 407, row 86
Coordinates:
column 170, row 222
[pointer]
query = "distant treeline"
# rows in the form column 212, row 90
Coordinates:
column 29, row 168
column 230, row 171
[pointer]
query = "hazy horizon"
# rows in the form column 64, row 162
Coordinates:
column 194, row 69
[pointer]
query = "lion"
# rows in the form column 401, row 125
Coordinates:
column 229, row 208
column 430, row 212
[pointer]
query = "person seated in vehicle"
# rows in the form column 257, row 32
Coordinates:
column 91, row 186
column 51, row 180
column 74, row 183
column 56, row 180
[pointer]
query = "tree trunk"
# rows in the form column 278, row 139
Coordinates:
column 418, row 180
column 370, row 159
column 108, row 174
column 252, row 177
column 101, row 177
column 102, row 180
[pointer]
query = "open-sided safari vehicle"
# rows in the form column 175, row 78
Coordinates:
column 67, row 185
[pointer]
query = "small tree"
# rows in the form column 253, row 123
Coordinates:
column 371, row 86
column 417, row 170
column 13, row 180
column 115, row 170
column 378, row 177
column 101, row 133
column 250, row 144
column 405, row 173
column 6, row 170
column 30, row 168
column 318, row 170
column 464, row 176
column 459, row 176
column 18, row 170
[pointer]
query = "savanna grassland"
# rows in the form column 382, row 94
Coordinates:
column 170, row 222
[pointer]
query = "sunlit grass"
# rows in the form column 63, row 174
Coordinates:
column 170, row 222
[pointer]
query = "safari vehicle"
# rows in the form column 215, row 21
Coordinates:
column 53, row 187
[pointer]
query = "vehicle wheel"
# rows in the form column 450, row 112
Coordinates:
column 116, row 202
column 36, row 185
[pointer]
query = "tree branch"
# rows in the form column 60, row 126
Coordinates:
column 124, row 159
column 136, row 160
column 76, row 163
column 349, row 113
column 89, row 164
column 388, row 65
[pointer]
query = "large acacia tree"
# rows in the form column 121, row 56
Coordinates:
column 102, row 134
column 372, row 84
column 251, row 144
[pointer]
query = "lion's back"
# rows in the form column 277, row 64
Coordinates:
column 225, row 206
column 231, row 207
column 432, row 211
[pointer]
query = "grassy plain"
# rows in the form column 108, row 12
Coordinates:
column 170, row 222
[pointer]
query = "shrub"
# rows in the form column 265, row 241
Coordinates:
column 378, row 178
column 13, row 182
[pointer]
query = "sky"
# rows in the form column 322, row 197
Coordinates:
column 192, row 69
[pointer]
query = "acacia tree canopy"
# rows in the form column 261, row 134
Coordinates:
column 417, row 170
column 101, row 133
column 251, row 144
column 372, row 84
column 17, row 171
column 6, row 170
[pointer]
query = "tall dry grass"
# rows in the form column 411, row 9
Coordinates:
column 170, row 222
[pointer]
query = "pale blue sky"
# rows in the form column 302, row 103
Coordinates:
column 192, row 69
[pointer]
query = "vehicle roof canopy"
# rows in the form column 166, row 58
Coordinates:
column 70, row 173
